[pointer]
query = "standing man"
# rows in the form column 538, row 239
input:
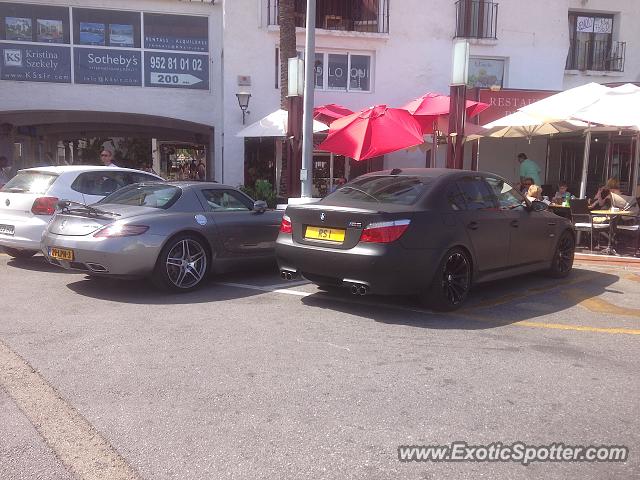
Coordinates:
column 529, row 169
column 107, row 156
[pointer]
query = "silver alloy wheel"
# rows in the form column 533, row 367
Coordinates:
column 186, row 263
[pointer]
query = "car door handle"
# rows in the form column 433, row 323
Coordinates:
column 473, row 226
column 514, row 223
column 552, row 224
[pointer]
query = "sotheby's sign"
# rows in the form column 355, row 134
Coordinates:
column 108, row 67
column 35, row 63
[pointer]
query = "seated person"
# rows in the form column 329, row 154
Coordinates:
column 534, row 194
column 602, row 200
column 558, row 198
column 524, row 186
column 613, row 185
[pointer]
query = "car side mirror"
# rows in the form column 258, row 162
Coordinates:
column 538, row 206
column 260, row 206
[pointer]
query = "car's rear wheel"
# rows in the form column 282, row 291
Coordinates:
column 562, row 262
column 451, row 282
column 183, row 264
column 16, row 253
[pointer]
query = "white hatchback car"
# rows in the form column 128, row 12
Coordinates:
column 28, row 200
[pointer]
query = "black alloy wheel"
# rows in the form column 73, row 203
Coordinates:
column 451, row 283
column 563, row 256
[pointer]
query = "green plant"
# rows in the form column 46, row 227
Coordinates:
column 262, row 190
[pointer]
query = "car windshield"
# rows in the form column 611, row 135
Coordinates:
column 393, row 189
column 141, row 195
column 30, row 182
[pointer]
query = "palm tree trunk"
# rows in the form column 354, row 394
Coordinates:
column 287, row 22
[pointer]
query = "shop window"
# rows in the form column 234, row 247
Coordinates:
column 34, row 23
column 346, row 72
column 176, row 32
column 106, row 28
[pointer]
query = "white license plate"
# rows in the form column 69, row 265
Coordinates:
column 7, row 229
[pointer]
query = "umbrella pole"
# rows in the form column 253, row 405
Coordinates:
column 634, row 187
column 330, row 172
column 585, row 162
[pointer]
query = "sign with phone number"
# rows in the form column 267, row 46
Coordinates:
column 176, row 70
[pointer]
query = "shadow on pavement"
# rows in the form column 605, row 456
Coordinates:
column 37, row 264
column 142, row 292
column 489, row 306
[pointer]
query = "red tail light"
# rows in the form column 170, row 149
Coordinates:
column 384, row 232
column 285, row 225
column 121, row 231
column 44, row 206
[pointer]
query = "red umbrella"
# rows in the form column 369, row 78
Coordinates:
column 372, row 132
column 430, row 106
column 330, row 112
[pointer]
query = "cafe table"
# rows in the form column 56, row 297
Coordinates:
column 561, row 210
column 610, row 214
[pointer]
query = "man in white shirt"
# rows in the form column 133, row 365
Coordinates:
column 107, row 156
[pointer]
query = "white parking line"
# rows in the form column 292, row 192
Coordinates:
column 266, row 289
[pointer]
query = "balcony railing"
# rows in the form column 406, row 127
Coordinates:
column 597, row 55
column 345, row 15
column 476, row 19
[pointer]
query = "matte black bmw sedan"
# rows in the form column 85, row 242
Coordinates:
column 431, row 232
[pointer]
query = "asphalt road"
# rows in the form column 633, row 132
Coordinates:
column 250, row 379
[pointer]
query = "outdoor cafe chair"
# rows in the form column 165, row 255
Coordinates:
column 634, row 230
column 582, row 220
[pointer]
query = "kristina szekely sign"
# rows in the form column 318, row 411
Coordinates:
column 108, row 67
column 35, row 63
column 176, row 70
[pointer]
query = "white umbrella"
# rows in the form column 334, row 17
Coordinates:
column 619, row 107
column 523, row 125
column 563, row 106
column 274, row 125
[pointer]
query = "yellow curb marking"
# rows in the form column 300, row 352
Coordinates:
column 529, row 292
column 599, row 305
column 578, row 328
column 75, row 442
column 553, row 326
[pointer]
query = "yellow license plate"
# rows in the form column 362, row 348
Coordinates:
column 328, row 234
column 61, row 254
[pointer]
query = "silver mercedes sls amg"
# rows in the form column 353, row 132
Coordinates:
column 176, row 233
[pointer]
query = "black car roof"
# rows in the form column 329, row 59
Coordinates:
column 424, row 172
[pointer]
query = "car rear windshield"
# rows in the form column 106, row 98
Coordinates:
column 30, row 182
column 156, row 196
column 391, row 189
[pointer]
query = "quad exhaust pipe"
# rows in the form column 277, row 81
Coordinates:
column 359, row 289
column 288, row 275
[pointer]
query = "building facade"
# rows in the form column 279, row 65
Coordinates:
column 72, row 71
column 368, row 52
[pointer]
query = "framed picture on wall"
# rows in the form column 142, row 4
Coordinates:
column 19, row 29
column 92, row 33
